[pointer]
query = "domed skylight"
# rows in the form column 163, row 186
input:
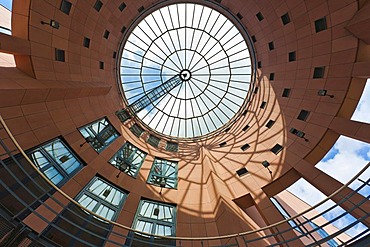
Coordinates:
column 185, row 70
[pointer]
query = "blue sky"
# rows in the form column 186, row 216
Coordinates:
column 7, row 3
column 343, row 161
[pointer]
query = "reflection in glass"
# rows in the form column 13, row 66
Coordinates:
column 163, row 173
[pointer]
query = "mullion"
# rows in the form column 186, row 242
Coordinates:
column 245, row 49
column 240, row 59
column 131, row 60
column 174, row 106
column 239, row 67
column 53, row 163
column 129, row 41
column 207, row 54
column 228, row 49
column 209, row 64
column 192, row 107
column 173, row 43
column 231, row 39
column 141, row 39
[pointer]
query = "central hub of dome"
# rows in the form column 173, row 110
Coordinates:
column 185, row 69
column 185, row 75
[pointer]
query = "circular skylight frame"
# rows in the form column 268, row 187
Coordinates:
column 123, row 76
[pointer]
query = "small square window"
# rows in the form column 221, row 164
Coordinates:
column 239, row 16
column 292, row 56
column 101, row 65
column 241, row 172
column 163, row 173
column 153, row 140
column 246, row 127
column 245, row 147
column 303, row 115
column 65, row 6
column 245, row 112
column 114, row 54
column 123, row 29
column 172, row 146
column 86, row 42
column 256, row 90
column 320, row 25
column 123, row 115
column 218, row 1
column 263, row 104
column 259, row 16
column 259, row 64
column 254, row 39
column 270, row 123
column 318, row 72
column 98, row 4
column 286, row 92
column 285, row 19
column 59, row 55
column 136, row 130
column 272, row 76
column 141, row 9
column 223, row 144
column 227, row 129
column 122, row 6
column 277, row 149
column 271, row 46
column 106, row 34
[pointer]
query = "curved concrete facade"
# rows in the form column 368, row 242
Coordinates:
column 43, row 98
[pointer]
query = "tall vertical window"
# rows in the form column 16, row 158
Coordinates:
column 99, row 134
column 155, row 218
column 163, row 173
column 102, row 198
column 285, row 214
column 56, row 161
column 128, row 159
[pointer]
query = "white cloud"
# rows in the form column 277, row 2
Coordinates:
column 363, row 108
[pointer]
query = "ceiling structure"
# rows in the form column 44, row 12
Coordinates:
column 299, row 47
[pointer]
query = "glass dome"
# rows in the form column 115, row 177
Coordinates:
column 185, row 70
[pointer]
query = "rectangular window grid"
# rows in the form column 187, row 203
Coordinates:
column 56, row 161
column 128, row 159
column 163, row 173
column 102, row 198
column 155, row 218
column 99, row 134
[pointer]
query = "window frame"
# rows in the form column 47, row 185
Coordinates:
column 155, row 222
column 292, row 223
column 152, row 173
column 100, row 201
column 53, row 162
column 89, row 130
column 136, row 151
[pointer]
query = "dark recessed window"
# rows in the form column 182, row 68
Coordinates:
column 259, row 16
column 245, row 112
column 245, row 147
column 246, row 127
column 239, row 16
column 123, row 115
column 114, row 54
column 59, row 55
column 218, row 1
column 318, row 72
column 227, row 129
column 271, row 46
column 270, row 123
column 172, row 146
column 292, row 56
column 106, row 34
column 242, row 172
column 141, row 9
column 98, row 4
column 320, row 25
column 136, row 130
column 285, row 19
column 277, row 149
column 286, row 92
column 153, row 140
column 259, row 64
column 65, row 6
column 256, row 90
column 101, row 65
column 272, row 76
column 86, row 42
column 122, row 6
column 303, row 115
column 123, row 29
column 254, row 39
column 263, row 104
column 222, row 144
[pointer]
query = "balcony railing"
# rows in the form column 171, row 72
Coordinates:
column 24, row 190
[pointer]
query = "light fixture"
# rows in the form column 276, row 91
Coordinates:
column 52, row 23
column 266, row 164
column 323, row 92
column 107, row 192
column 298, row 133
column 156, row 211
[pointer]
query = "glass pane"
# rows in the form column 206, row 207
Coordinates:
column 163, row 230
column 53, row 174
column 106, row 192
column 163, row 173
column 144, row 226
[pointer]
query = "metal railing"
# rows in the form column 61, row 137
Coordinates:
column 24, row 190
